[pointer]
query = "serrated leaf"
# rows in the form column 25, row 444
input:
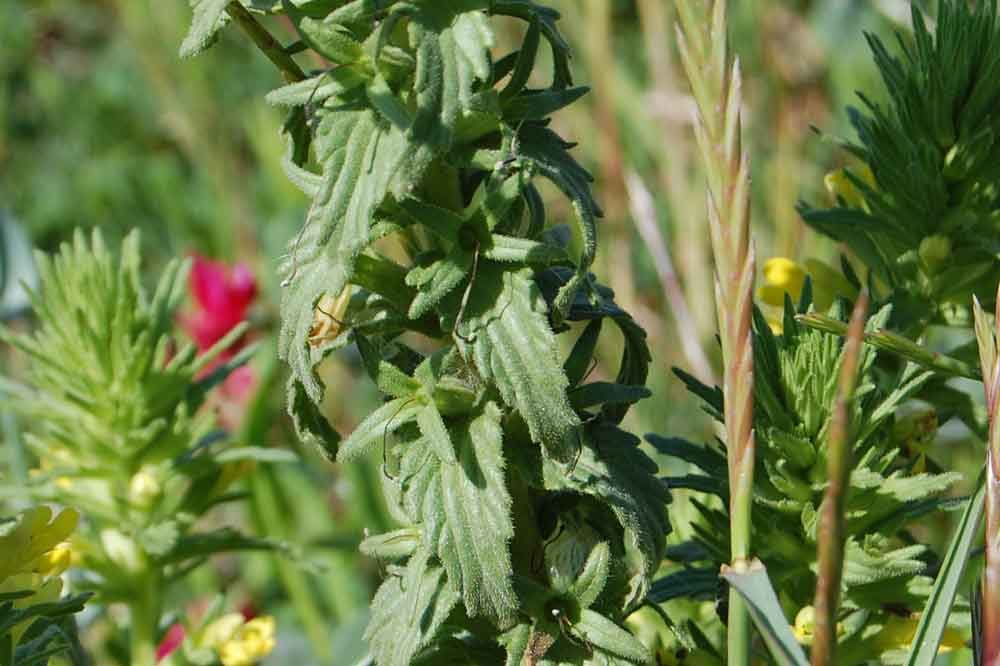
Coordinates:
column 611, row 468
column 514, row 348
column 359, row 156
column 606, row 393
column 209, row 16
column 377, row 426
column 478, row 524
column 579, row 361
column 525, row 61
column 549, row 155
column 331, row 40
column 392, row 546
column 546, row 18
column 539, row 104
column 334, row 83
column 408, row 611
column 707, row 459
column 310, row 424
column 437, row 281
column 522, row 250
column 452, row 41
column 685, row 584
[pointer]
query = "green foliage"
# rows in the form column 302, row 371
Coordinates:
column 531, row 524
column 924, row 221
column 120, row 422
column 42, row 629
column 795, row 390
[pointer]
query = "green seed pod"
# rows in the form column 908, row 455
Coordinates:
column 934, row 253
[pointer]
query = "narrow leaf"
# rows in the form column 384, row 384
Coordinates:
column 379, row 425
column 934, row 618
column 754, row 586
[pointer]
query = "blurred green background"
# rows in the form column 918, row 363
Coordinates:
column 101, row 124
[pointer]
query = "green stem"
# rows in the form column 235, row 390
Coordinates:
column 738, row 623
column 896, row 344
column 144, row 614
column 268, row 45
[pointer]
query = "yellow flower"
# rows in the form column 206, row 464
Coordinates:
column 805, row 625
column 898, row 632
column 33, row 556
column 240, row 643
column 841, row 187
column 784, row 276
column 32, row 538
column 781, row 276
column 56, row 561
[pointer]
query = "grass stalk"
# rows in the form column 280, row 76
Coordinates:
column 987, row 337
column 717, row 88
column 831, row 526
column 679, row 176
column 644, row 213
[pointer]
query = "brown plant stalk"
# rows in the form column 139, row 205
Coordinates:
column 831, row 526
column 987, row 337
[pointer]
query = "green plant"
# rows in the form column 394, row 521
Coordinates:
column 918, row 217
column 120, row 429
column 717, row 86
column 531, row 522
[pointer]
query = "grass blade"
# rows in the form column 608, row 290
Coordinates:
column 754, row 586
column 934, row 619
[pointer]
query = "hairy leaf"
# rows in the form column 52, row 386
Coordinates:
column 359, row 155
column 513, row 346
column 611, row 468
column 408, row 611
column 209, row 17
column 478, row 524
column 377, row 426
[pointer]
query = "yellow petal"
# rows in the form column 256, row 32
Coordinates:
column 773, row 296
column 841, row 187
column 250, row 643
column 54, row 562
column 221, row 630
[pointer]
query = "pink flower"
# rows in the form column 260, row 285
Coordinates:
column 222, row 299
column 171, row 641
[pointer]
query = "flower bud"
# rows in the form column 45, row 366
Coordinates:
column 934, row 252
column 121, row 550
column 144, row 487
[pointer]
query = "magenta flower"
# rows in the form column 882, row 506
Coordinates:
column 171, row 641
column 222, row 297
